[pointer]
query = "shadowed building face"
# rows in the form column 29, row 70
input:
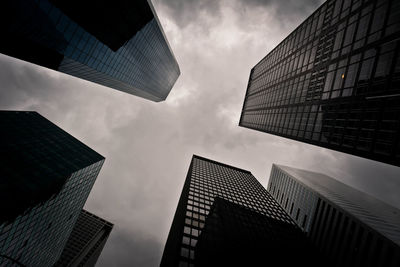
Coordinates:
column 120, row 44
column 350, row 227
column 46, row 177
column 334, row 81
column 223, row 210
column 235, row 235
column 86, row 241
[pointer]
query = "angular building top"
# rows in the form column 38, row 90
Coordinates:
column 120, row 45
column 46, row 176
column 86, row 241
column 206, row 182
column 350, row 227
column 377, row 214
column 334, row 81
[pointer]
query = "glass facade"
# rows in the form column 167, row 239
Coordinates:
column 350, row 227
column 334, row 81
column 296, row 199
column 207, row 180
column 86, row 241
column 121, row 46
column 46, row 177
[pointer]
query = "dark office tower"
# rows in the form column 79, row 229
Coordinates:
column 221, row 205
column 119, row 44
column 86, row 241
column 334, row 81
column 45, row 178
column 350, row 227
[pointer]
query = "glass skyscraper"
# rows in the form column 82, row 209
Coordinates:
column 221, row 205
column 334, row 81
column 46, row 177
column 350, row 227
column 86, row 241
column 120, row 44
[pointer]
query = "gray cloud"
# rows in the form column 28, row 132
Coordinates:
column 148, row 146
column 120, row 242
column 286, row 9
column 185, row 12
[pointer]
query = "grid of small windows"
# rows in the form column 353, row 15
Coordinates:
column 37, row 237
column 328, row 205
column 87, row 229
column 347, row 242
column 37, row 154
column 334, row 81
column 298, row 201
column 144, row 65
column 387, row 225
column 210, row 179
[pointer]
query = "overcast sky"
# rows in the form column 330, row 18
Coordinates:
column 148, row 146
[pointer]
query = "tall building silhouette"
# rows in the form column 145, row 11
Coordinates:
column 46, row 176
column 223, row 210
column 86, row 241
column 350, row 227
column 120, row 44
column 334, row 81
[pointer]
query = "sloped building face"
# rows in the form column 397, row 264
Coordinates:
column 46, row 177
column 237, row 190
column 86, row 241
column 120, row 44
column 334, row 81
column 350, row 227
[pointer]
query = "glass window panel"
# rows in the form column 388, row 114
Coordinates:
column 366, row 69
column 350, row 76
column 186, row 240
column 185, row 252
column 339, row 78
column 349, row 34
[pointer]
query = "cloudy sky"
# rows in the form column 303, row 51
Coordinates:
column 148, row 146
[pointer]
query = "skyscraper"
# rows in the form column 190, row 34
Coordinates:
column 45, row 178
column 120, row 44
column 235, row 235
column 217, row 206
column 86, row 241
column 334, row 81
column 350, row 227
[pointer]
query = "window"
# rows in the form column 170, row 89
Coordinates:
column 186, row 230
column 366, row 69
column 350, row 76
column 304, row 221
column 297, row 214
column 185, row 252
column 376, row 255
column 383, row 65
column 195, row 232
column 185, row 240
